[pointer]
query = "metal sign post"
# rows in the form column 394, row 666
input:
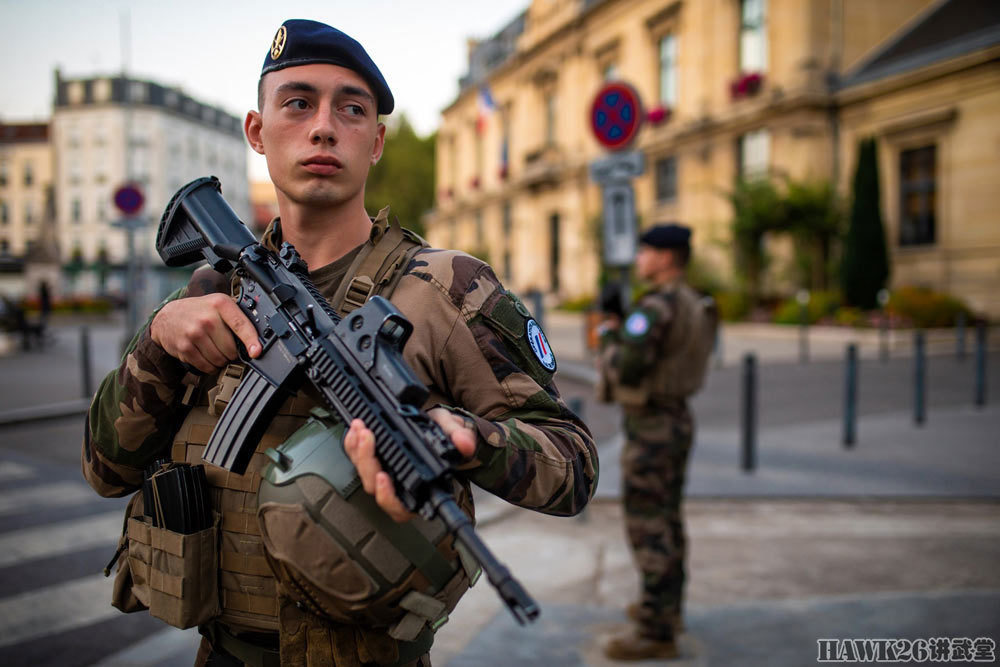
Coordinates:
column 129, row 200
column 615, row 118
column 614, row 174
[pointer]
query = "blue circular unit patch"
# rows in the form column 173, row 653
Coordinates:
column 637, row 324
column 540, row 346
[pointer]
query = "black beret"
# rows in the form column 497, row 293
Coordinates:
column 667, row 236
column 304, row 42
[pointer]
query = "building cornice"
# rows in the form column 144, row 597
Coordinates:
column 863, row 92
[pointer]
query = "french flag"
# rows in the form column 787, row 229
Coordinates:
column 485, row 107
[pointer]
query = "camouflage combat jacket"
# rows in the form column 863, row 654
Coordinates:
column 658, row 357
column 469, row 346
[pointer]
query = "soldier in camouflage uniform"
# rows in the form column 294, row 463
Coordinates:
column 490, row 388
column 650, row 364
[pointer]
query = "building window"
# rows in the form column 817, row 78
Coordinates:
column 29, row 175
column 137, row 92
column 917, row 195
column 3, row 173
column 76, row 211
column 4, row 213
column 753, row 35
column 550, row 119
column 666, row 179
column 102, row 90
column 668, row 71
column 4, row 246
column 754, row 154
column 74, row 91
column 29, row 213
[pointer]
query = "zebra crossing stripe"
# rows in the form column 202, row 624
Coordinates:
column 59, row 538
column 54, row 609
column 10, row 471
column 155, row 649
column 54, row 494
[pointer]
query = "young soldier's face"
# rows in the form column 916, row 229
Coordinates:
column 319, row 130
column 651, row 262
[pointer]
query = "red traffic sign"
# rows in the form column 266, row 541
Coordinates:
column 615, row 115
column 129, row 199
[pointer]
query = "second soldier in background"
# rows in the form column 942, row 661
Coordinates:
column 651, row 363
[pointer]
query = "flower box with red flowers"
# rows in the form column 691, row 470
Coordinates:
column 659, row 114
column 747, row 84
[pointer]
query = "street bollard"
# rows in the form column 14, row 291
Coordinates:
column 803, row 298
column 883, row 325
column 85, row 377
column 980, row 392
column 749, row 457
column 919, row 376
column 960, row 337
column 851, row 396
column 577, row 405
column 717, row 348
column 538, row 307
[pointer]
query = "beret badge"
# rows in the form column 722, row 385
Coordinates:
column 278, row 45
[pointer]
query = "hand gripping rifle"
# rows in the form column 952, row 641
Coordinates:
column 356, row 364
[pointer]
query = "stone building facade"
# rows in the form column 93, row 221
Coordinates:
column 730, row 88
column 107, row 131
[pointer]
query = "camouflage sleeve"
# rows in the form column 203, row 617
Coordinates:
column 135, row 411
column 531, row 450
column 633, row 350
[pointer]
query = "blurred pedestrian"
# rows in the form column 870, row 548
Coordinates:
column 651, row 361
column 45, row 302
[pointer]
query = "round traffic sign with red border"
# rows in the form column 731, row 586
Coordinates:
column 129, row 199
column 615, row 115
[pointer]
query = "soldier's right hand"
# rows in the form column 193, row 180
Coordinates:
column 200, row 331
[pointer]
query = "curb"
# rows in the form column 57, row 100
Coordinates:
column 72, row 408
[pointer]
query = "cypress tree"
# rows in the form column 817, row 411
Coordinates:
column 865, row 268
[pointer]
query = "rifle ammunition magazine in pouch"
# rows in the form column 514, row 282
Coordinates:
column 173, row 547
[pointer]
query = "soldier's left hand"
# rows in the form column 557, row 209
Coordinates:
column 359, row 443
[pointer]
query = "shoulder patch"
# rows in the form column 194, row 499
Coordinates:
column 637, row 324
column 540, row 345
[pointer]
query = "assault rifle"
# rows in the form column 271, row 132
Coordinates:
column 356, row 364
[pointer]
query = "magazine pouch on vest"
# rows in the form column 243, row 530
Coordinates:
column 339, row 555
column 174, row 570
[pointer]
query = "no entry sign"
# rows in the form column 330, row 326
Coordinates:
column 129, row 199
column 615, row 115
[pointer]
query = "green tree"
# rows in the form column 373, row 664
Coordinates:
column 865, row 267
column 807, row 210
column 758, row 208
column 815, row 220
column 404, row 177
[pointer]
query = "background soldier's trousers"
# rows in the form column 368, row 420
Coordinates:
column 654, row 463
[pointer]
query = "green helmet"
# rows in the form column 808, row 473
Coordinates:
column 336, row 552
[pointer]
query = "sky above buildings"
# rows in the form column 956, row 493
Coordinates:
column 214, row 49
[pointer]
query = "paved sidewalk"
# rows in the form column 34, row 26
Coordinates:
column 898, row 538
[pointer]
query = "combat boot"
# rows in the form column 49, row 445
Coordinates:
column 632, row 645
column 676, row 619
